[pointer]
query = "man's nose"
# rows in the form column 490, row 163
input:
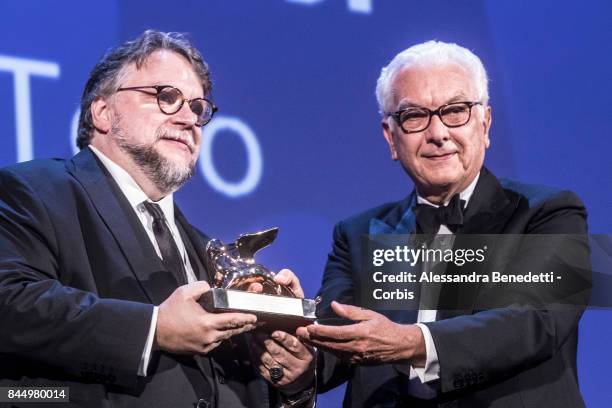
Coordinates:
column 185, row 115
column 437, row 132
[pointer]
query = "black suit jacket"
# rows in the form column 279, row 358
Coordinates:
column 504, row 357
column 78, row 281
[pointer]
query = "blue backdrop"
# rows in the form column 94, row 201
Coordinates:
column 297, row 143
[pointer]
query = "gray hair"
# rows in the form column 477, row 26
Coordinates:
column 427, row 54
column 104, row 77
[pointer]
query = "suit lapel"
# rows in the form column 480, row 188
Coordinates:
column 488, row 212
column 195, row 245
column 400, row 220
column 114, row 210
column 489, row 208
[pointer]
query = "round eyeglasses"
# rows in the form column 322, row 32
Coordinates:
column 417, row 119
column 170, row 100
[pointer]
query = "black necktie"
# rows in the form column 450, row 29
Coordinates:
column 171, row 257
column 429, row 218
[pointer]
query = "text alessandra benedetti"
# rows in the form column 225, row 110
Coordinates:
column 495, row 277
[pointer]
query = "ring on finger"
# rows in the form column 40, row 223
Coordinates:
column 276, row 373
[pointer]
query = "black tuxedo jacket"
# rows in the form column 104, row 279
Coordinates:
column 78, row 281
column 503, row 357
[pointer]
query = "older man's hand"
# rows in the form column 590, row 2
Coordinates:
column 373, row 339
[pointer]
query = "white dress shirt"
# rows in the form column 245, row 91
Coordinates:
column 136, row 197
column 419, row 376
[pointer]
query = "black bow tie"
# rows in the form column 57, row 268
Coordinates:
column 429, row 218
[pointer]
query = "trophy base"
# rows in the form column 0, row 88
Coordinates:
column 273, row 312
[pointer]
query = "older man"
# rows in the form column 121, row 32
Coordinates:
column 100, row 273
column 436, row 120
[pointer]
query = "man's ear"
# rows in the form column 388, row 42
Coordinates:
column 388, row 134
column 486, row 124
column 101, row 115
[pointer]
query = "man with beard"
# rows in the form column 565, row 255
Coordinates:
column 100, row 273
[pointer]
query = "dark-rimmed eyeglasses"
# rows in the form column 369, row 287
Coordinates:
column 417, row 119
column 170, row 100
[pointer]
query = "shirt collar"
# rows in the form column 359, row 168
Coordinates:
column 465, row 195
column 131, row 189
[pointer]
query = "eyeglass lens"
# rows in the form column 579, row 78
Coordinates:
column 171, row 100
column 452, row 115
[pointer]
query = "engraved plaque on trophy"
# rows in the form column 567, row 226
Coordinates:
column 236, row 270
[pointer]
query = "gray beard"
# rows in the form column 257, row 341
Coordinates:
column 167, row 176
